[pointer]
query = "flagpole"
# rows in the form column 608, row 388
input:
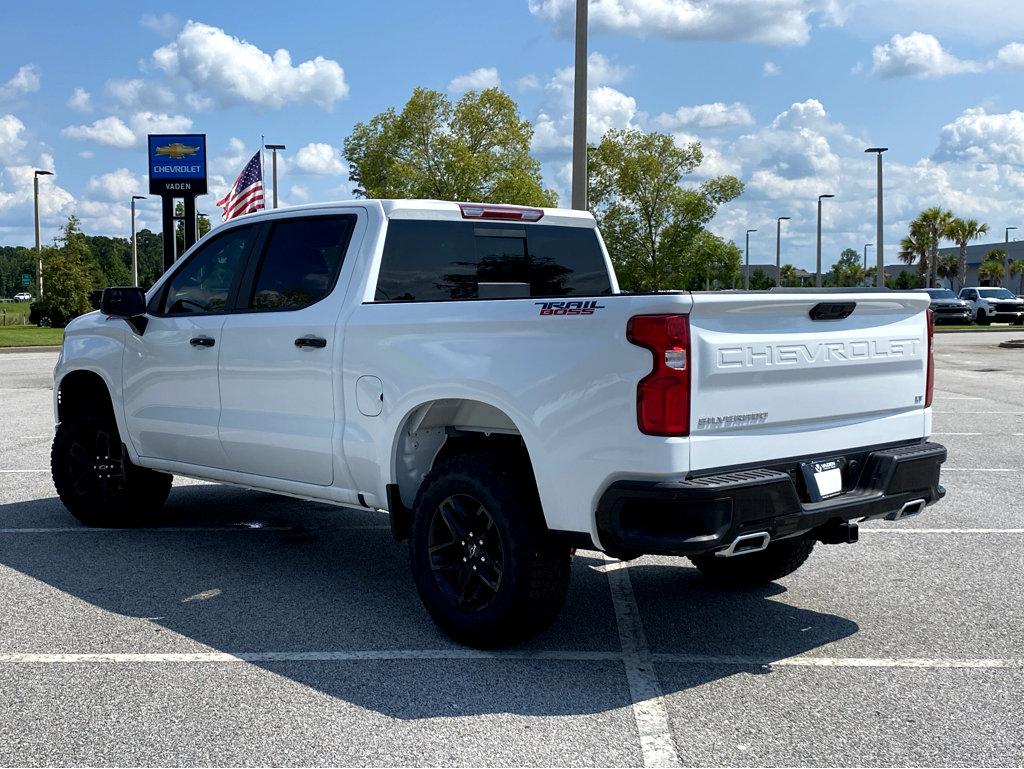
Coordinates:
column 263, row 164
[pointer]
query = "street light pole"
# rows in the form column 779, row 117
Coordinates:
column 1006, row 236
column 135, row 252
column 746, row 272
column 579, row 111
column 39, row 247
column 879, row 235
column 866, row 247
column 778, row 247
column 817, row 274
column 274, row 148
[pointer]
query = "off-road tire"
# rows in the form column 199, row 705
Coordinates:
column 96, row 480
column 776, row 561
column 534, row 571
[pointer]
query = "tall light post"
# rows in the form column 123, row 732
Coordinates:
column 274, row 148
column 746, row 272
column 778, row 247
column 866, row 247
column 135, row 252
column 817, row 274
column 1006, row 236
column 579, row 111
column 879, row 235
column 39, row 247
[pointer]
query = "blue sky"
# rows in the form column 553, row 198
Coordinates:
column 783, row 93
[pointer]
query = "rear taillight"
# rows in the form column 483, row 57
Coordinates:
column 929, row 386
column 663, row 396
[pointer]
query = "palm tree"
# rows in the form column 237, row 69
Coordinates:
column 1017, row 268
column 991, row 271
column 949, row 268
column 935, row 222
column 787, row 275
column 915, row 246
column 961, row 232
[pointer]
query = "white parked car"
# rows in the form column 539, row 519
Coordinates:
column 24, row 296
column 993, row 305
column 474, row 371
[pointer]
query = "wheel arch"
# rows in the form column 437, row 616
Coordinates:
column 437, row 429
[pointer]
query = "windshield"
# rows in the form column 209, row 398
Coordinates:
column 941, row 293
column 995, row 293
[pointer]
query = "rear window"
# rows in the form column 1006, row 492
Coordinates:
column 437, row 261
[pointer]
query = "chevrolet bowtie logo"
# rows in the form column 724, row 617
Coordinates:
column 177, row 150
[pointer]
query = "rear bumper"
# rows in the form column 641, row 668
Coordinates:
column 705, row 513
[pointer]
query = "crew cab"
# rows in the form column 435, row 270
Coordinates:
column 474, row 372
column 946, row 307
column 993, row 305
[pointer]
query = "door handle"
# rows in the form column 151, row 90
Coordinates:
column 202, row 341
column 317, row 342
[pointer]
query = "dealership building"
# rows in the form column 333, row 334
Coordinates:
column 976, row 255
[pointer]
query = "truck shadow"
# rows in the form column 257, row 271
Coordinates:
column 239, row 571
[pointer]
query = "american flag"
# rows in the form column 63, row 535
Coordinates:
column 246, row 194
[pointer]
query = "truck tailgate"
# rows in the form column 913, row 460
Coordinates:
column 771, row 382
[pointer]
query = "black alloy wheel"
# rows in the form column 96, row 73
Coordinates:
column 466, row 556
column 96, row 464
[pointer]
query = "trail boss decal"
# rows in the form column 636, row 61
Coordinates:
column 569, row 308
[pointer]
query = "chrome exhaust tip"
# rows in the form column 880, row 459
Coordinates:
column 754, row 542
column 913, row 507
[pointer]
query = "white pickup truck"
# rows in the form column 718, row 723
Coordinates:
column 475, row 372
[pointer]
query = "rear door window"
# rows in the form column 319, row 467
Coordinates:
column 432, row 261
column 301, row 262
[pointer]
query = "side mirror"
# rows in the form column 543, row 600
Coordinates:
column 128, row 303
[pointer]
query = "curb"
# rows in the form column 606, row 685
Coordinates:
column 1013, row 344
column 35, row 348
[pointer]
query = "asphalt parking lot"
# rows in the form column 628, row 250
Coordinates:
column 245, row 628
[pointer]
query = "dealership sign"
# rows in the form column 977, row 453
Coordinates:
column 177, row 164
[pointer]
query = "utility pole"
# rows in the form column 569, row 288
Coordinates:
column 135, row 252
column 778, row 247
column 274, row 148
column 879, row 226
column 39, row 247
column 746, row 272
column 817, row 273
column 579, row 112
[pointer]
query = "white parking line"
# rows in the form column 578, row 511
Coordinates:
column 651, row 758
column 146, row 529
column 842, row 662
column 944, row 531
column 656, row 742
column 980, row 469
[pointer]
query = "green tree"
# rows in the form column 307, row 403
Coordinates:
column 652, row 225
column 905, row 281
column 787, row 275
column 934, row 223
column 962, row 232
column 1016, row 267
column 949, row 268
column 847, row 271
column 993, row 268
column 915, row 246
column 69, row 273
column 759, row 280
column 202, row 227
column 477, row 149
column 709, row 262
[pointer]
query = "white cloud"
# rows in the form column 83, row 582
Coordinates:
column 607, row 107
column 477, row 80
column 17, row 196
column 112, row 131
column 109, row 131
column 299, row 193
column 1011, row 56
column 230, row 70
column 118, row 185
column 230, row 162
column 80, row 100
column 771, row 69
column 26, row 80
column 11, row 140
column 715, row 115
column 528, row 82
column 138, row 94
column 979, row 137
column 320, row 158
column 776, row 22
column 918, row 55
column 165, row 25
